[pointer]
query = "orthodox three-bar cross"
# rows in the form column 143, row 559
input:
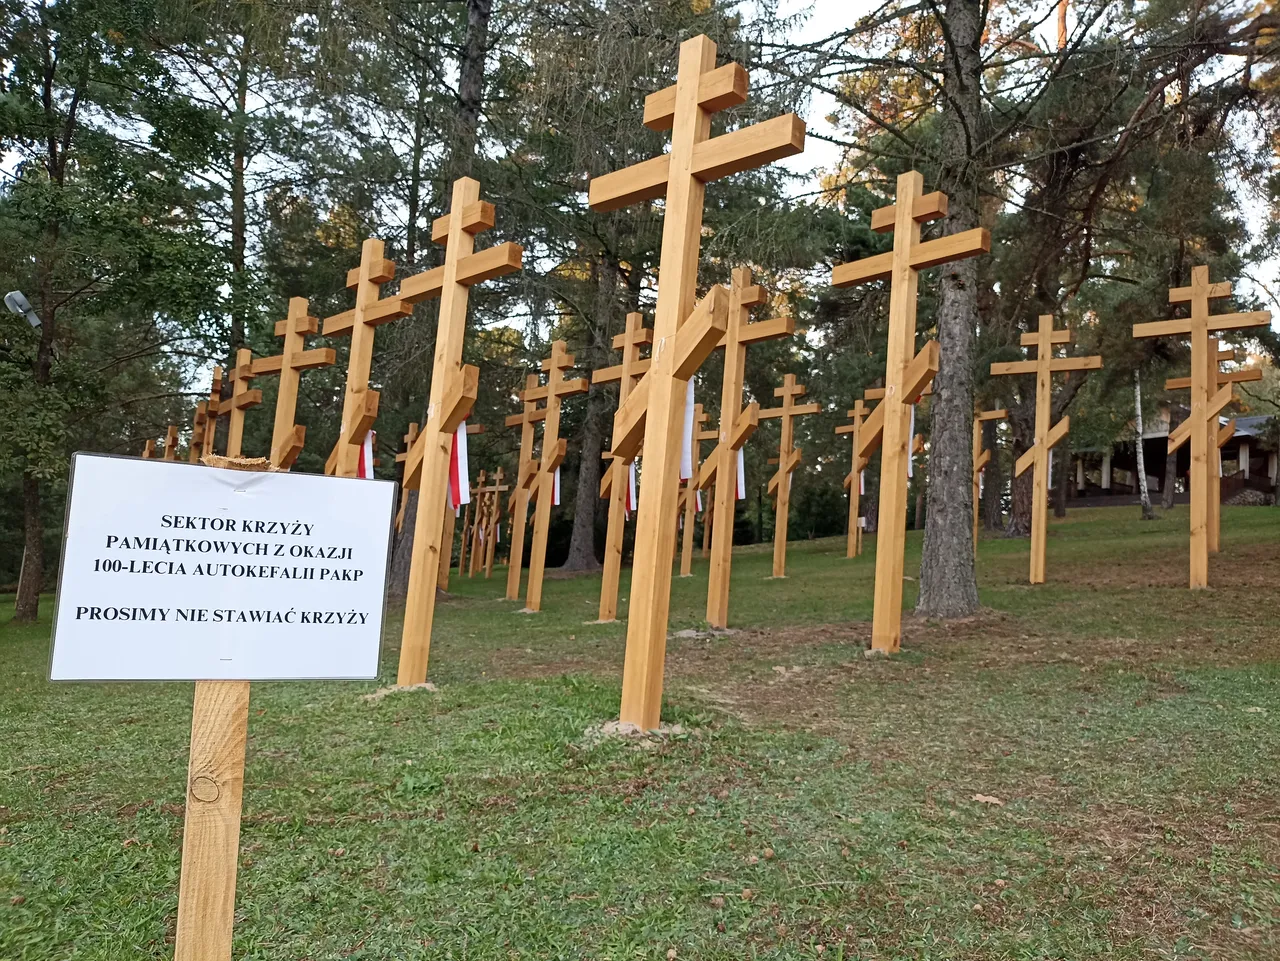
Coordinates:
column 1047, row 436
column 698, row 483
column 687, row 500
column 737, row 424
column 683, row 335
column 554, row 446
column 981, row 457
column 171, row 442
column 518, row 503
column 788, row 460
column 479, row 521
column 212, row 411
column 453, row 392
column 616, row 480
column 906, row 372
column 496, row 491
column 402, row 458
column 853, row 479
column 289, row 364
column 242, row 398
column 1208, row 397
column 199, row 424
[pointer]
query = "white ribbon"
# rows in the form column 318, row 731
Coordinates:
column 686, row 446
column 742, row 475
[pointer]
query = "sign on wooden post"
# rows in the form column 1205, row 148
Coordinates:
column 518, row 504
column 981, row 457
column 684, row 333
column 737, row 424
column 853, row 480
column 553, row 452
column 906, row 372
column 616, row 482
column 1047, row 436
column 453, row 392
column 788, row 460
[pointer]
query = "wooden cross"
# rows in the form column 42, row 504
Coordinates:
column 1216, row 437
column 241, row 399
column 1046, row 437
column 721, row 468
column 149, row 449
column 687, row 501
column 553, row 393
column 683, row 334
column 215, row 788
column 518, row 504
column 698, row 483
column 198, row 427
column 171, row 442
column 906, row 372
column 480, row 520
column 289, row 364
column 453, row 392
column 467, row 510
column 853, row 480
column 788, row 461
column 495, row 520
column 615, row 481
column 981, row 458
column 212, row 412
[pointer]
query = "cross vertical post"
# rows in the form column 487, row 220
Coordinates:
column 683, row 336
column 199, row 424
column 212, row 412
column 495, row 521
column 518, row 504
column 700, row 484
column 853, row 480
column 1047, row 436
column 788, row 460
column 241, row 399
column 289, row 364
column 903, row 366
column 688, row 499
column 981, row 458
column 480, row 520
column 403, row 458
column 553, row 452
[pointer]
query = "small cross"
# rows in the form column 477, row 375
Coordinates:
column 212, row 413
column 199, row 424
column 241, row 399
column 788, row 461
column 981, row 458
column 852, row 480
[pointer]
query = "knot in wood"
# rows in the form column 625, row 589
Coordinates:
column 204, row 788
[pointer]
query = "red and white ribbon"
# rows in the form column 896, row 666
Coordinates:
column 364, row 467
column 742, row 475
column 459, row 469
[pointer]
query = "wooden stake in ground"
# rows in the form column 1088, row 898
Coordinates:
column 906, row 373
column 687, row 502
column 788, row 460
column 853, row 480
column 519, row 502
column 683, row 335
column 737, row 424
column 553, row 393
column 981, row 458
column 1215, row 437
column 171, row 443
column 616, row 481
column 289, row 364
column 215, row 788
column 1047, row 437
column 453, row 392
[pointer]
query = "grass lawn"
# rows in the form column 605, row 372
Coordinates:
column 1123, row 730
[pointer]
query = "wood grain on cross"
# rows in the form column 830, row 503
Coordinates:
column 981, row 457
column 737, row 424
column 288, row 365
column 687, row 501
column 171, row 442
column 554, row 446
column 199, row 424
column 215, row 790
column 683, row 333
column 523, row 488
column 788, row 460
column 242, row 398
column 853, row 479
column 906, row 372
column 212, row 411
column 615, row 482
column 1216, row 437
column 1047, row 435
column 453, row 392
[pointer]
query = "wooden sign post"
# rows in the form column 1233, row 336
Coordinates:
column 518, row 504
column 289, row 364
column 453, row 392
column 616, row 480
column 684, row 334
column 788, row 460
column 853, row 480
column 553, row 450
column 981, row 458
column 906, row 373
column 1046, row 437
column 1202, row 425
column 721, row 468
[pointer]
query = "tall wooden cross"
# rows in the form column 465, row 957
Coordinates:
column 906, row 372
column 788, row 460
column 553, row 393
column 242, row 398
column 683, row 335
column 981, row 457
column 518, row 504
column 1046, row 437
column 1216, row 437
column 171, row 442
column 495, row 520
column 616, row 480
column 453, row 392
column 853, row 480
column 212, row 412
column 410, row 436
column 289, row 364
column 737, row 424
column 687, row 501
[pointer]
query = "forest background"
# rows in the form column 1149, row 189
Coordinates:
column 172, row 172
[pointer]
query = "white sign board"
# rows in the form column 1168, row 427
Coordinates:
column 176, row 571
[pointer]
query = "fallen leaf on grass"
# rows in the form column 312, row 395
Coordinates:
column 987, row 799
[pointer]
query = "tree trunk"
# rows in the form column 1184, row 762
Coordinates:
column 1170, row 464
column 993, row 481
column 948, row 583
column 31, row 580
column 1143, row 493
